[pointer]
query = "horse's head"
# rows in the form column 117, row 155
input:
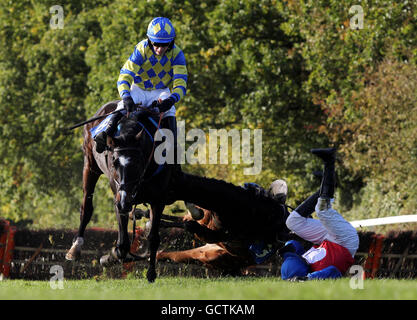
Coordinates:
column 129, row 160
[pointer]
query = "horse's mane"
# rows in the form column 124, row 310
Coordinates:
column 129, row 128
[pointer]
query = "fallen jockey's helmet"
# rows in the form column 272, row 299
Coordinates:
column 278, row 190
column 161, row 30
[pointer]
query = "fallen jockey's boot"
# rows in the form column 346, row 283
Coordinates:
column 286, row 248
column 101, row 138
column 326, row 154
column 329, row 178
column 306, row 209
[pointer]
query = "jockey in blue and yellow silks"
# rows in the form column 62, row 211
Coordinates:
column 155, row 71
column 149, row 71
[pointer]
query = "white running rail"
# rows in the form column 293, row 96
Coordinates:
column 385, row 220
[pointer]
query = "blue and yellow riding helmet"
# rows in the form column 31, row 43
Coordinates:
column 161, row 30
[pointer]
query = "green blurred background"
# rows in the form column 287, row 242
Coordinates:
column 295, row 69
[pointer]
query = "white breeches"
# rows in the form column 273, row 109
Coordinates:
column 330, row 226
column 146, row 97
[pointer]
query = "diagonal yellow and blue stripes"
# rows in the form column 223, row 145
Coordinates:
column 150, row 71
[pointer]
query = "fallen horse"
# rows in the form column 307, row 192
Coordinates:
column 245, row 215
column 223, row 251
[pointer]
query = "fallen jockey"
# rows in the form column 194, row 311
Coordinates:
column 335, row 240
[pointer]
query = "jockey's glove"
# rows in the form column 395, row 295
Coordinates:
column 166, row 104
column 129, row 104
column 154, row 107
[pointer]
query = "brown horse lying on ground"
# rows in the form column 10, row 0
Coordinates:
column 230, row 256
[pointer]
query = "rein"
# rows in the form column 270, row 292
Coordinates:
column 148, row 162
column 150, row 155
column 141, row 179
column 138, row 106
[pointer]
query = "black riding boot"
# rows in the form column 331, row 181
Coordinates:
column 306, row 209
column 171, row 124
column 329, row 177
column 101, row 138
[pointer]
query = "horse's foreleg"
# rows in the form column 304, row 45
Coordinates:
column 123, row 244
column 90, row 178
column 120, row 252
column 154, row 239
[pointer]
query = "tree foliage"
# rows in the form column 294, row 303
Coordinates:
column 294, row 69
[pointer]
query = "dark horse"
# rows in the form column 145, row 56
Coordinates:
column 129, row 165
column 244, row 214
column 238, row 218
column 130, row 168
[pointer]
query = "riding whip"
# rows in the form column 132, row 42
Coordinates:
column 98, row 118
column 91, row 120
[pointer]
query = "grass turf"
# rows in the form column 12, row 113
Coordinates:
column 188, row 288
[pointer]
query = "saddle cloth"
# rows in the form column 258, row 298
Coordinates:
column 148, row 123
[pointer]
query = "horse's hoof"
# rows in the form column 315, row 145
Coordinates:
column 195, row 212
column 73, row 255
column 151, row 275
column 163, row 256
column 110, row 259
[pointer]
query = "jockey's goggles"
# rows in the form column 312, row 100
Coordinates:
column 160, row 44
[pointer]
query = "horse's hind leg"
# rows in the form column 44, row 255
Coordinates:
column 205, row 254
column 91, row 174
column 154, row 239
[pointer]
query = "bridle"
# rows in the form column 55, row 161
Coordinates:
column 138, row 182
